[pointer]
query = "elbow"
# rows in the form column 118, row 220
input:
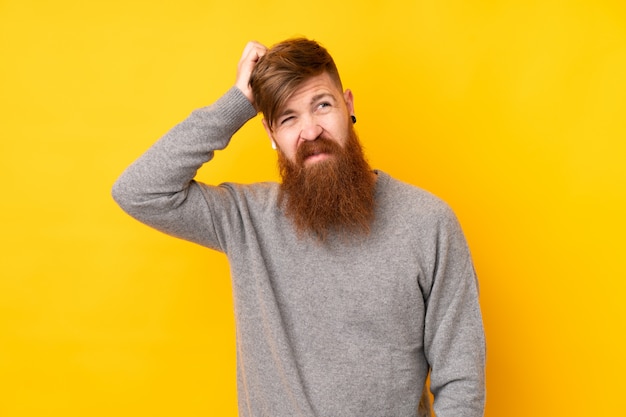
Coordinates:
column 121, row 195
column 142, row 201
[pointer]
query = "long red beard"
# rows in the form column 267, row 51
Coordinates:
column 333, row 195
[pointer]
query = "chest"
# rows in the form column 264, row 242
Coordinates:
column 369, row 290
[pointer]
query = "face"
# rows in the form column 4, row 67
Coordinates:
column 317, row 109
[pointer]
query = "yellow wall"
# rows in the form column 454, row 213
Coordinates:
column 514, row 111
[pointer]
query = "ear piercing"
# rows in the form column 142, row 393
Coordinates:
column 353, row 117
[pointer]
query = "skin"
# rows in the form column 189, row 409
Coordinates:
column 249, row 57
column 318, row 108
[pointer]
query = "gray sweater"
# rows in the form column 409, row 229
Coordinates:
column 344, row 328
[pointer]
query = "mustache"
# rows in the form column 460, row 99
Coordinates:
column 320, row 145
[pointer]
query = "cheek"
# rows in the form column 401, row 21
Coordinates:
column 286, row 147
column 290, row 156
column 339, row 130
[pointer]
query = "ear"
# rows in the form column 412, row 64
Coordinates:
column 268, row 130
column 349, row 99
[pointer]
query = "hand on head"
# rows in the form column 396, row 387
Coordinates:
column 250, row 56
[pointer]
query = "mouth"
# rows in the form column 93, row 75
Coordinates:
column 316, row 157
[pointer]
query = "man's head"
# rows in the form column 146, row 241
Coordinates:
column 283, row 68
column 327, row 183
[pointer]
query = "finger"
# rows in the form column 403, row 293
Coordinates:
column 253, row 51
column 250, row 56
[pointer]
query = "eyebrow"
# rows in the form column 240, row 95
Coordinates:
column 319, row 96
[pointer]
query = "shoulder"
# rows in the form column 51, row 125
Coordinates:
column 254, row 188
column 257, row 195
column 401, row 197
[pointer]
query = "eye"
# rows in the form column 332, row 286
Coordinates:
column 324, row 105
column 286, row 120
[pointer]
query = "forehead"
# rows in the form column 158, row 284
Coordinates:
column 316, row 86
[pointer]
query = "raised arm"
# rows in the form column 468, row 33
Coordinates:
column 158, row 188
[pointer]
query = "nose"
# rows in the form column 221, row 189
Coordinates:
column 310, row 129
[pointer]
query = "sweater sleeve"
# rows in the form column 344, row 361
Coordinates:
column 158, row 188
column 454, row 337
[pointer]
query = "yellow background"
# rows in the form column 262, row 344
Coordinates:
column 512, row 111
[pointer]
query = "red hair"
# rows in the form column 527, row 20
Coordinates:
column 283, row 68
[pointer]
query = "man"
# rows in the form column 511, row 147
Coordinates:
column 349, row 286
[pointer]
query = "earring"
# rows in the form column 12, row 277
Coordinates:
column 274, row 145
column 353, row 117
